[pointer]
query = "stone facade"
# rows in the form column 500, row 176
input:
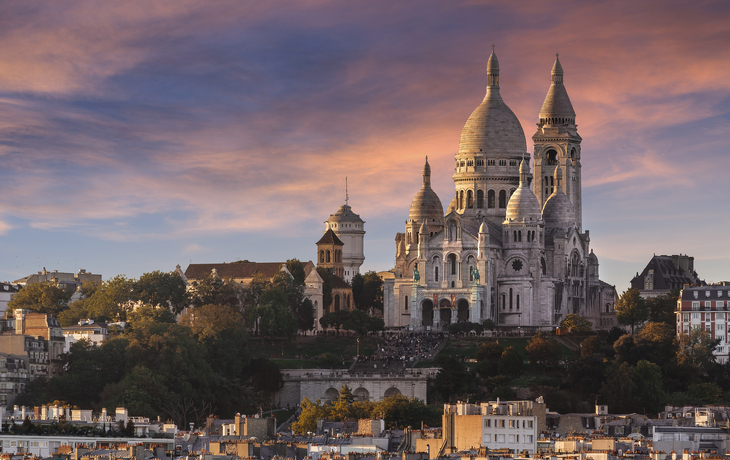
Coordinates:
column 325, row 385
column 510, row 246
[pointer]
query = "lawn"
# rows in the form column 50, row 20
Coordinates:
column 305, row 348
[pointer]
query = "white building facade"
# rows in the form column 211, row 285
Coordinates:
column 510, row 246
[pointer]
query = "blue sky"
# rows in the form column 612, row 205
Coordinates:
column 138, row 136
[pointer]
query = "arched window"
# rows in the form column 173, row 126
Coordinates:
column 461, row 199
column 321, row 256
column 502, row 199
column 518, row 301
column 514, row 236
column 470, row 264
column 510, row 298
column 452, row 263
column 337, row 302
column 470, row 199
column 327, row 256
column 436, row 273
column 348, row 302
column 519, row 236
column 490, row 199
column 504, row 301
column 452, row 231
column 543, row 266
column 480, row 198
column 406, row 304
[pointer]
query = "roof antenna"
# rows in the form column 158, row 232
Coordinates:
column 347, row 197
column 492, row 48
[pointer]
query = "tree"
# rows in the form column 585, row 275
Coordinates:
column 631, row 309
column 542, row 350
column 310, row 413
column 627, row 350
column 153, row 313
column 619, row 387
column 696, row 350
column 661, row 308
column 45, row 297
column 648, row 393
column 590, row 345
column 165, row 289
column 658, row 342
column 305, row 315
column 273, row 316
column 367, row 291
column 296, row 268
column 510, row 363
column 212, row 290
column 576, row 323
column 490, row 351
column 209, row 320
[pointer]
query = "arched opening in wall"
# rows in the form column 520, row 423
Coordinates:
column 337, row 302
column 462, row 312
column 551, row 157
column 331, row 395
column 502, row 199
column 436, row 273
column 480, row 199
column 511, row 299
column 574, row 264
column 405, row 304
column 470, row 265
column 504, row 301
column 518, row 302
column 347, row 302
column 512, row 191
column 392, row 391
column 608, row 308
column 461, row 199
column 427, row 313
column 327, row 255
column 490, row 199
column 445, row 317
column 543, row 266
column 361, row 394
column 572, row 154
column 452, row 263
column 470, row 199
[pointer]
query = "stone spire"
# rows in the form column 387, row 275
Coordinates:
column 557, row 109
column 493, row 72
column 427, row 173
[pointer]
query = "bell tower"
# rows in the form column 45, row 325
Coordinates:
column 557, row 142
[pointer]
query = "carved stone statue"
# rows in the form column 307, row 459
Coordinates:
column 475, row 274
column 416, row 275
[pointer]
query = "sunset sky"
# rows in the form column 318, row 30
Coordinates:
column 137, row 135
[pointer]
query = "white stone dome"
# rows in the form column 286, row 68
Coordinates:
column 492, row 127
column 558, row 210
column 426, row 205
column 523, row 205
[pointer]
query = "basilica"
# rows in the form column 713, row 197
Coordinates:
column 511, row 246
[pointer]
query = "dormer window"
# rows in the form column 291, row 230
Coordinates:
column 707, row 293
column 695, row 293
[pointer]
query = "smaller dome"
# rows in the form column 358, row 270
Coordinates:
column 426, row 205
column 558, row 210
column 452, row 206
column 483, row 228
column 523, row 205
column 345, row 214
column 592, row 259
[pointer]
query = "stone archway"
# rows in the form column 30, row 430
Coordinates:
column 392, row 391
column 462, row 313
column 445, row 317
column 361, row 394
column 427, row 313
column 331, row 394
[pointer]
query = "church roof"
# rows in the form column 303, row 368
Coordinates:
column 234, row 270
column 558, row 209
column 338, row 283
column 492, row 127
column 345, row 214
column 426, row 205
column 523, row 205
column 330, row 237
column 557, row 103
column 668, row 273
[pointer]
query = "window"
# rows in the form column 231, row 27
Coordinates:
column 490, row 162
column 503, row 162
column 529, row 424
column 513, row 162
column 528, row 439
column 406, row 303
column 708, row 305
column 490, row 199
column 512, row 424
column 695, row 316
column 500, row 438
column 480, row 198
column 502, row 199
column 707, row 293
column 501, row 423
column 488, row 422
column 511, row 438
column 695, row 305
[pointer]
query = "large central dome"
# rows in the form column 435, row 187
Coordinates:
column 493, row 128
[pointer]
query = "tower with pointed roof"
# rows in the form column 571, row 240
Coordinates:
column 329, row 253
column 556, row 143
column 350, row 229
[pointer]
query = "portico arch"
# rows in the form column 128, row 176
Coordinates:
column 462, row 311
column 331, row 394
column 427, row 312
column 392, row 391
column 361, row 394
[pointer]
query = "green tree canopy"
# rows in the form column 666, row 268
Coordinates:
column 661, row 308
column 367, row 291
column 166, row 289
column 296, row 268
column 631, row 309
column 576, row 323
column 45, row 297
column 542, row 350
column 510, row 363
